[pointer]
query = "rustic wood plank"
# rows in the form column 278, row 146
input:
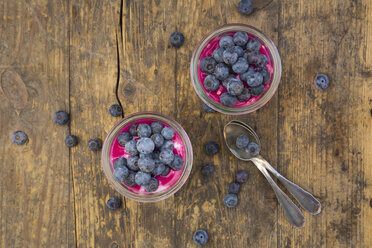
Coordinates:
column 35, row 180
column 325, row 135
column 150, row 65
column 93, row 75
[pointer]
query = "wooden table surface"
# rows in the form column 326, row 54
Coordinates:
column 83, row 56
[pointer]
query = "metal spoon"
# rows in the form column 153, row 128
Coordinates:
column 231, row 131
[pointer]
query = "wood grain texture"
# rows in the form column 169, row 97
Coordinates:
column 35, row 180
column 70, row 55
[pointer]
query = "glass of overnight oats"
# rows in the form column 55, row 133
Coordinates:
column 147, row 157
column 235, row 69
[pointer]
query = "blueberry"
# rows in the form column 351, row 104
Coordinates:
column 266, row 75
column 263, row 62
column 71, row 140
column 131, row 147
column 212, row 148
column 246, row 74
column 123, row 138
column 61, row 117
column 221, row 71
column 156, row 127
column 166, row 156
column 144, row 130
column 245, row 95
column 132, row 163
column 133, row 130
column 168, row 145
column 113, row 203
column 207, row 169
column 241, row 176
column 116, row 110
column 228, row 100
column 208, row 109
column 211, row 83
column 256, row 91
column 19, row 138
column 120, row 162
column 240, row 66
column 227, row 80
column 252, row 149
column 240, row 38
column 217, row 54
column 121, row 173
column 94, row 144
column 168, row 133
column 245, row 7
column 200, row 237
column 207, row 65
column 226, row 42
column 235, row 87
column 158, row 139
column 230, row 200
column 253, row 57
column 165, row 172
column 254, row 79
column 152, row 185
column 177, row 39
column 177, row 163
column 145, row 145
column 253, row 45
column 142, row 178
column 159, row 168
column 242, row 141
column 130, row 179
column 321, row 81
column 234, row 188
column 230, row 56
column 146, row 164
column 238, row 50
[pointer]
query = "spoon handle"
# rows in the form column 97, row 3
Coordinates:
column 291, row 211
column 304, row 198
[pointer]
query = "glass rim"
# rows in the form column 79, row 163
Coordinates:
column 274, row 56
column 155, row 196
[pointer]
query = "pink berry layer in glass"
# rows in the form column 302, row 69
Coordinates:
column 212, row 45
column 165, row 182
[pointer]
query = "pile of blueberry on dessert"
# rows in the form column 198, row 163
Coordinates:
column 238, row 66
column 252, row 148
column 151, row 154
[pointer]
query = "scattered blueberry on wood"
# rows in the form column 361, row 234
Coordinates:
column 200, row 237
column 321, row 81
column 61, row 117
column 94, row 144
column 113, row 203
column 208, row 109
column 71, row 140
column 234, row 188
column 211, row 148
column 19, row 138
column 230, row 200
column 241, row 176
column 245, row 7
column 207, row 169
column 115, row 110
column 176, row 39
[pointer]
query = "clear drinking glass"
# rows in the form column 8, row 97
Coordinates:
column 205, row 48
column 169, row 184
